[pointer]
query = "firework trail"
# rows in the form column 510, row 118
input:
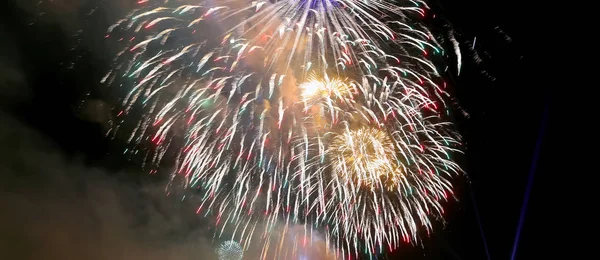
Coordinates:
column 326, row 114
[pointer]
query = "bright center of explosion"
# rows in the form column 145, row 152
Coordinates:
column 312, row 88
column 323, row 89
column 367, row 157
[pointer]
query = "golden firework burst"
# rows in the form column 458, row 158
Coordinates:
column 324, row 89
column 366, row 156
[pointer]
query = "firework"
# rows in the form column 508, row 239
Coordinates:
column 312, row 32
column 327, row 90
column 366, row 157
column 230, row 250
column 327, row 114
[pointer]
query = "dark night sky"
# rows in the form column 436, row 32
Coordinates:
column 64, row 186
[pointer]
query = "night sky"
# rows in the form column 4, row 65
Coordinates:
column 67, row 192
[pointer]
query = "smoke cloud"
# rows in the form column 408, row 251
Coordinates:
column 54, row 207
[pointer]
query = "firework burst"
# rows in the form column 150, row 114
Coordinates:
column 366, row 157
column 230, row 250
column 327, row 114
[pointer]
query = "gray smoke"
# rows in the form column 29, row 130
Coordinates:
column 55, row 207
